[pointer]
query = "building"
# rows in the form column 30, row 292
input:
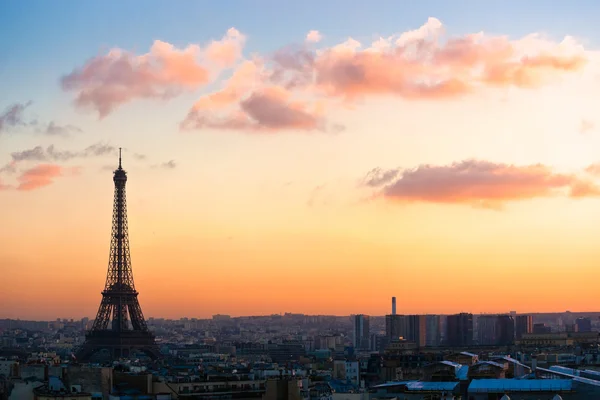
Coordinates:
column 361, row 332
column 347, row 370
column 394, row 327
column 541, row 329
column 416, row 329
column 583, row 324
column 459, row 330
column 495, row 330
column 524, row 324
column 393, row 306
column 433, row 330
column 545, row 340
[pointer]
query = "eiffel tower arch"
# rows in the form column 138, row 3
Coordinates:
column 119, row 327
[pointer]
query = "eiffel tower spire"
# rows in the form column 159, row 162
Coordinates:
column 119, row 325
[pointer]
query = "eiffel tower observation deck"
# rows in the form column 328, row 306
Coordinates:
column 119, row 329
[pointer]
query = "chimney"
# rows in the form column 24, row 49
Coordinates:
column 393, row 306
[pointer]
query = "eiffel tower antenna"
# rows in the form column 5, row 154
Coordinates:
column 119, row 326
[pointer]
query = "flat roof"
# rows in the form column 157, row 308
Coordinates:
column 519, row 385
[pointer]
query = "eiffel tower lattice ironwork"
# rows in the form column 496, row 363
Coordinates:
column 119, row 326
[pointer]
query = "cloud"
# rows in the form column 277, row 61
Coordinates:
column 61, row 130
column 139, row 156
column 420, row 64
column 228, row 50
column 13, row 116
column 313, row 36
column 586, row 126
column 269, row 109
column 171, row 164
column 593, row 169
column 477, row 183
column 50, row 153
column 108, row 81
column 377, row 177
column 39, row 176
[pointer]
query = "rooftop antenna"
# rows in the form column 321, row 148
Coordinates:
column 120, row 158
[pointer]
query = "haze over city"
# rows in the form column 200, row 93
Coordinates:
column 304, row 157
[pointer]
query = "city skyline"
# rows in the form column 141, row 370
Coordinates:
column 285, row 159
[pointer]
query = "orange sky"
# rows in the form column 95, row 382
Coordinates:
column 457, row 173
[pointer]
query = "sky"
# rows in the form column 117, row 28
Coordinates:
column 313, row 157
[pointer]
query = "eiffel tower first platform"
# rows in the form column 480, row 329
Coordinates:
column 119, row 326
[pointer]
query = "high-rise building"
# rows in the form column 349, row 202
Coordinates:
column 394, row 327
column 416, row 329
column 495, row 330
column 361, row 332
column 486, row 330
column 524, row 324
column 433, row 331
column 506, row 330
column 459, row 330
column 584, row 324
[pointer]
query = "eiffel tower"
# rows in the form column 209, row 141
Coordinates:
column 119, row 326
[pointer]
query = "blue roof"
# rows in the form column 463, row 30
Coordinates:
column 450, row 363
column 519, row 385
column 462, row 373
column 390, row 384
column 575, row 374
column 418, row 386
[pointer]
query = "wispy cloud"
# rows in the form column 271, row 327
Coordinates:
column 54, row 129
column 41, row 175
column 171, row 164
column 51, row 153
column 13, row 116
column 474, row 182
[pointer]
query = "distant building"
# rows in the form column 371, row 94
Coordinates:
column 433, row 330
column 378, row 342
column 416, row 329
column 361, row 332
column 541, row 329
column 459, row 330
column 584, row 324
column 524, row 324
column 347, row 371
column 495, row 330
column 393, row 306
column 394, row 327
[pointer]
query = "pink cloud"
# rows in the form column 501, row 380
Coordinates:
column 227, row 51
column 267, row 109
column 313, row 36
column 108, row 81
column 42, row 175
column 477, row 183
column 417, row 64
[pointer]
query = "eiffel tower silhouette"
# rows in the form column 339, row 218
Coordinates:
column 119, row 326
